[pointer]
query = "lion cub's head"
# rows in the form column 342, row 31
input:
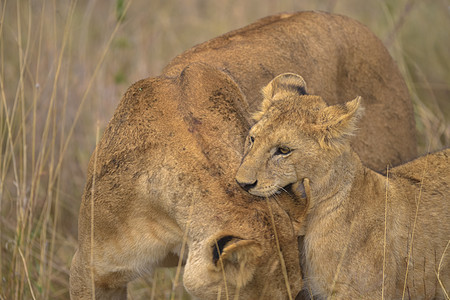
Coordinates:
column 296, row 136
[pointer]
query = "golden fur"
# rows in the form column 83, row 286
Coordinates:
column 359, row 226
column 338, row 57
column 166, row 162
column 164, row 166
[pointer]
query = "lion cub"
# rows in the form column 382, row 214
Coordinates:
column 366, row 235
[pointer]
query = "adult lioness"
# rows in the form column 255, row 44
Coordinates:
column 174, row 145
column 364, row 232
column 162, row 174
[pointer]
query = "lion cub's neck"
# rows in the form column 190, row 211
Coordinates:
column 333, row 193
column 332, row 185
column 331, row 219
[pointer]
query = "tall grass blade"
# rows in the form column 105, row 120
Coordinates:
column 282, row 262
column 385, row 232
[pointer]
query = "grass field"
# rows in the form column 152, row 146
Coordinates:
column 64, row 66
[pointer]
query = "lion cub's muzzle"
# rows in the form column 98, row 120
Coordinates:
column 246, row 185
column 246, row 177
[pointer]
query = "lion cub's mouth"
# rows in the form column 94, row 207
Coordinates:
column 289, row 189
column 269, row 191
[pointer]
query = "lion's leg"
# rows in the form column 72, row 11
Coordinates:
column 81, row 281
column 106, row 283
column 78, row 285
column 117, row 262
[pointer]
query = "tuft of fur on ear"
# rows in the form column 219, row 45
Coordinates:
column 239, row 259
column 336, row 123
column 280, row 87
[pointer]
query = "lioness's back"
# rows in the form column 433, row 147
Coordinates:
column 429, row 176
column 338, row 57
column 434, row 166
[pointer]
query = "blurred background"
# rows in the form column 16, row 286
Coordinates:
column 64, row 66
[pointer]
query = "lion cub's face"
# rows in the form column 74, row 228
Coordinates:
column 272, row 149
column 296, row 136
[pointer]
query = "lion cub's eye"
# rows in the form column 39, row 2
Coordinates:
column 283, row 150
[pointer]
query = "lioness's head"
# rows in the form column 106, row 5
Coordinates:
column 296, row 136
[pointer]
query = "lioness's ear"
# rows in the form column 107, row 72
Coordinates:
column 278, row 88
column 238, row 258
column 337, row 122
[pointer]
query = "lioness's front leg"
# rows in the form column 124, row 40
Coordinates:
column 111, row 272
column 104, row 282
column 127, row 241
column 82, row 283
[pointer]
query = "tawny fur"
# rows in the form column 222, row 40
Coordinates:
column 176, row 140
column 164, row 166
column 364, row 232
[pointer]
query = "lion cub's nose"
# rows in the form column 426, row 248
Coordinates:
column 247, row 186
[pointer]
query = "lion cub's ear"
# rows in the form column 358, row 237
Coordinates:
column 337, row 122
column 279, row 88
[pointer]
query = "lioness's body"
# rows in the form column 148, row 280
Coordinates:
column 175, row 141
column 338, row 57
column 361, row 229
column 163, row 167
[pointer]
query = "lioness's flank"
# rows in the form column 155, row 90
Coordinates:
column 367, row 236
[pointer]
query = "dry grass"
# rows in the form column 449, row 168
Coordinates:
column 64, row 66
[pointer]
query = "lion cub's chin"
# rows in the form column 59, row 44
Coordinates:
column 265, row 192
column 268, row 192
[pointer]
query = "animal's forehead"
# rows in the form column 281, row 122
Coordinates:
column 280, row 117
column 271, row 121
column 291, row 113
column 270, row 132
